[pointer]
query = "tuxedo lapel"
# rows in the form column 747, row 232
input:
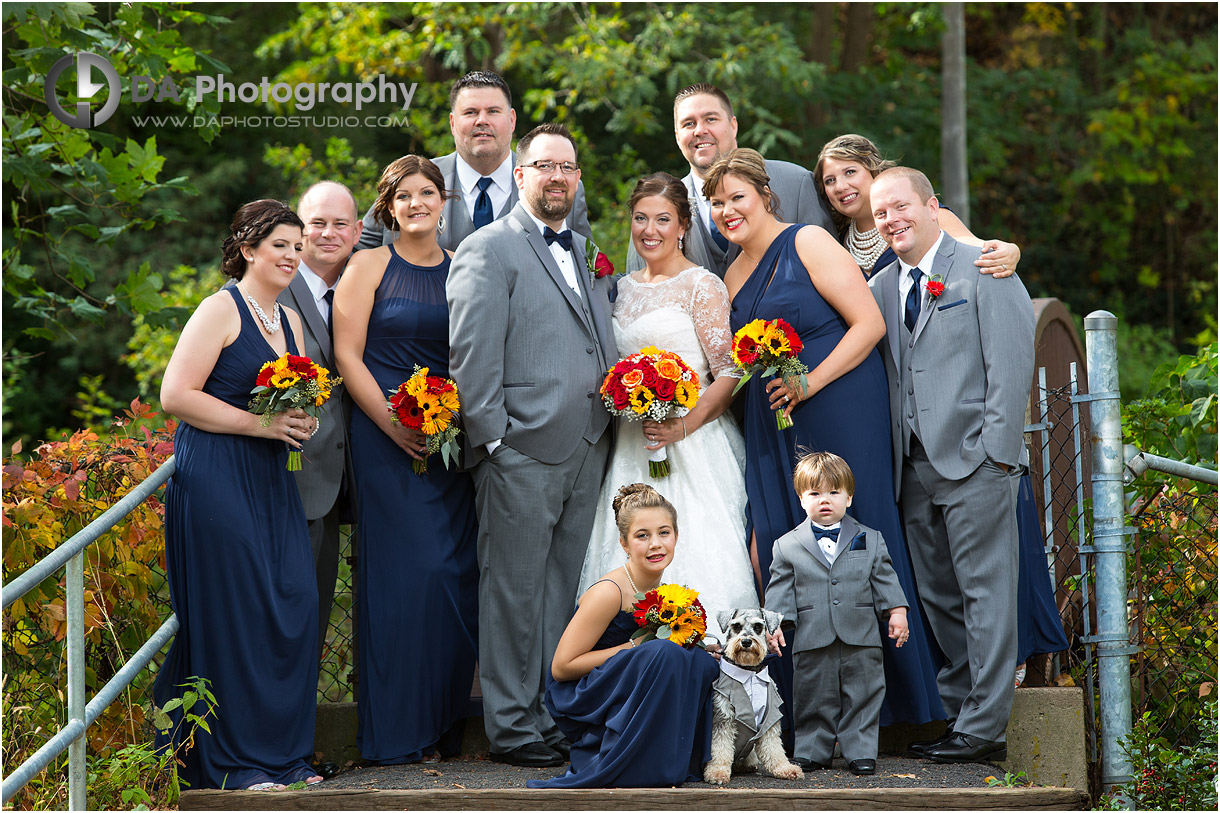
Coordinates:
column 512, row 189
column 942, row 263
column 304, row 304
column 888, row 284
column 538, row 244
column 810, row 543
column 847, row 532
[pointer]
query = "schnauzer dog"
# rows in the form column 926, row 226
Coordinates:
column 746, row 716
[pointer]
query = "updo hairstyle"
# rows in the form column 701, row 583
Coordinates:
column 250, row 226
column 393, row 175
column 748, row 165
column 848, row 147
column 631, row 499
column 664, row 185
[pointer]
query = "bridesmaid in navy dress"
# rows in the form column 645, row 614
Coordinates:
column 417, row 593
column 236, row 544
column 801, row 274
column 637, row 716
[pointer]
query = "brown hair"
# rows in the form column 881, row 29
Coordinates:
column 393, row 175
column 480, row 79
column 919, row 181
column 631, row 499
column 848, row 147
column 662, row 184
column 823, row 469
column 747, row 164
column 703, row 89
column 550, row 128
column 251, row 225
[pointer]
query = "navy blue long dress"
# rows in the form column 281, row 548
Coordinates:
column 1039, row 627
column 849, row 417
column 417, row 596
column 643, row 719
column 242, row 583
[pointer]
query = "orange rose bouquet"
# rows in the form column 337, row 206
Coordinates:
column 654, row 384
column 769, row 348
column 291, row 382
column 428, row 403
column 672, row 613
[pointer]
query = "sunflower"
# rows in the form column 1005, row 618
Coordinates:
column 677, row 595
column 641, row 397
column 284, row 379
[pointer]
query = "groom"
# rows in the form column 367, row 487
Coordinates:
column 959, row 354
column 530, row 342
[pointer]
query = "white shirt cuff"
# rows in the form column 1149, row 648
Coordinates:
column 491, row 446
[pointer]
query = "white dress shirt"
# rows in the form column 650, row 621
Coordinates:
column 755, row 684
column 317, row 287
column 905, row 281
column 498, row 191
column 829, row 546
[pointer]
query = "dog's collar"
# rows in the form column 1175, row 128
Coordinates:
column 761, row 665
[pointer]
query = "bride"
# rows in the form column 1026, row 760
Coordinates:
column 683, row 308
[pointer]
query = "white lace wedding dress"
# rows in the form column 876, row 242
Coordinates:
column 687, row 314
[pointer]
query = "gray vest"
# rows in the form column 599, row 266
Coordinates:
column 910, row 410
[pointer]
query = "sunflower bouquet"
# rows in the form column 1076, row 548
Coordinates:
column 770, row 347
column 672, row 613
column 291, row 382
column 428, row 403
column 654, row 384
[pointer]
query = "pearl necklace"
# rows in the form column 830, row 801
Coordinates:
column 272, row 326
column 630, row 580
column 865, row 247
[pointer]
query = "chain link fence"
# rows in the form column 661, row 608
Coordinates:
column 337, row 669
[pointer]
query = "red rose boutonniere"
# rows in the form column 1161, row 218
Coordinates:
column 598, row 263
column 935, row 286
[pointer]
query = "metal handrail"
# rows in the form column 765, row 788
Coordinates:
column 70, row 555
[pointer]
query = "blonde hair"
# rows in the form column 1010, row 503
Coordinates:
column 919, row 182
column 823, row 469
column 632, row 499
column 747, row 164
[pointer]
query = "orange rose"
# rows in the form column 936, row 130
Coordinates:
column 633, row 379
column 668, row 368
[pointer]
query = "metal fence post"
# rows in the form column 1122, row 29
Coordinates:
column 1109, row 546
column 74, row 583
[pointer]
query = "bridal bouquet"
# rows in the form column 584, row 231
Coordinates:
column 654, row 384
column 670, row 612
column 770, row 347
column 291, row 382
column 428, row 403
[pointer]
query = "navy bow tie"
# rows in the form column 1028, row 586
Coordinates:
column 564, row 237
column 825, row 533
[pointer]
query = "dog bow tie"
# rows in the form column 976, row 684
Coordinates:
column 564, row 237
column 825, row 533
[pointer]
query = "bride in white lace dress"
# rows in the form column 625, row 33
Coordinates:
column 684, row 308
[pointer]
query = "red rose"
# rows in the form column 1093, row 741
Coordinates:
column 621, row 398
column 650, row 375
column 665, row 389
column 935, row 288
column 602, row 267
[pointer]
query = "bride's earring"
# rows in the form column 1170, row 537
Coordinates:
column 680, row 241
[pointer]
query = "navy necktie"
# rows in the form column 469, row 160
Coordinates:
column 329, row 296
column 825, row 533
column 717, row 237
column 564, row 237
column 482, row 204
column 914, row 297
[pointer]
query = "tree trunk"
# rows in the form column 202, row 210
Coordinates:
column 858, row 37
column 818, row 49
column 953, row 112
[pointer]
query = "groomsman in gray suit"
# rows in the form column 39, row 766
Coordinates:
column 482, row 120
column 706, row 129
column 325, row 481
column 530, row 342
column 959, row 353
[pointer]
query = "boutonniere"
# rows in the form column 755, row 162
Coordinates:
column 935, row 286
column 599, row 264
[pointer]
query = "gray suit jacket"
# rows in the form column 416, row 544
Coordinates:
column 458, row 223
column 527, row 362
column 843, row 600
column 972, row 363
column 747, row 733
column 798, row 203
column 326, row 455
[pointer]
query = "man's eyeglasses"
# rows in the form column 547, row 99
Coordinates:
column 548, row 167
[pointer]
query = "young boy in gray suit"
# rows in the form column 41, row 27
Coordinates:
column 834, row 576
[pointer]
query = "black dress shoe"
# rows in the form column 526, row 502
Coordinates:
column 863, row 767
column 563, row 747
column 325, row 769
column 809, row 764
column 530, row 755
column 920, row 748
column 966, row 748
